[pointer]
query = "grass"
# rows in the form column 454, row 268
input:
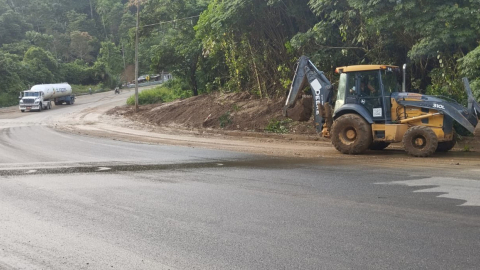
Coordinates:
column 169, row 91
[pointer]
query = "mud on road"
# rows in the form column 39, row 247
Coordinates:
column 197, row 122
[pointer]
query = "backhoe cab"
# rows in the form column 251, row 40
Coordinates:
column 371, row 111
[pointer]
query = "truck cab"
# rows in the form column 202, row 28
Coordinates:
column 33, row 100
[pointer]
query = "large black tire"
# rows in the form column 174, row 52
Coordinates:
column 447, row 146
column 49, row 106
column 22, row 110
column 68, row 102
column 420, row 141
column 351, row 134
column 40, row 107
column 379, row 145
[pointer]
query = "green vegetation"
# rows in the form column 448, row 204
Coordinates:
column 278, row 126
column 169, row 91
column 235, row 45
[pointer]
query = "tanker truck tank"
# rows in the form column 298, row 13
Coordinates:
column 53, row 90
column 41, row 96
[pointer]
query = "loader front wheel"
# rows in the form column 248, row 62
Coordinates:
column 420, row 141
column 351, row 134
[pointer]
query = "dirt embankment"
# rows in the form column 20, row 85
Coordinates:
column 222, row 112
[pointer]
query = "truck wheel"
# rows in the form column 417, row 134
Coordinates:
column 351, row 134
column 22, row 110
column 379, row 145
column 49, row 106
column 40, row 107
column 420, row 141
column 68, row 102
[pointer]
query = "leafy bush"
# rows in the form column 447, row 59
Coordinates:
column 278, row 126
column 169, row 91
column 150, row 96
column 7, row 100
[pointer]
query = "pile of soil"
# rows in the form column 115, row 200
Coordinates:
column 231, row 111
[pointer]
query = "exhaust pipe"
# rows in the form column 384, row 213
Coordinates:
column 404, row 77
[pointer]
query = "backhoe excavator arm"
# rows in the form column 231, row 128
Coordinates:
column 473, row 106
column 320, row 86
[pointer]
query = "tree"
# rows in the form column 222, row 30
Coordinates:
column 42, row 67
column 176, row 47
column 110, row 13
column 252, row 36
column 79, row 22
column 81, row 45
column 12, row 27
column 111, row 57
column 43, row 41
column 10, row 79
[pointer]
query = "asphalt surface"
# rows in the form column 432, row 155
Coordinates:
column 79, row 202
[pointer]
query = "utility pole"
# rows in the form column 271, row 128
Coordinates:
column 136, row 58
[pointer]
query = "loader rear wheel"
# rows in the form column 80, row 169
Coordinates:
column 379, row 145
column 351, row 134
column 420, row 141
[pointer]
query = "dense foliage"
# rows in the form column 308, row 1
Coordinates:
column 236, row 45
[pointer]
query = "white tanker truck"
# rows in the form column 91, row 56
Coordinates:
column 41, row 96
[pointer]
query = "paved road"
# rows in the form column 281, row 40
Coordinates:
column 76, row 202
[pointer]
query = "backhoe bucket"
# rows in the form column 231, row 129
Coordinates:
column 307, row 74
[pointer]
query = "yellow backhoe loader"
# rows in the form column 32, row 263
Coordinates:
column 372, row 110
